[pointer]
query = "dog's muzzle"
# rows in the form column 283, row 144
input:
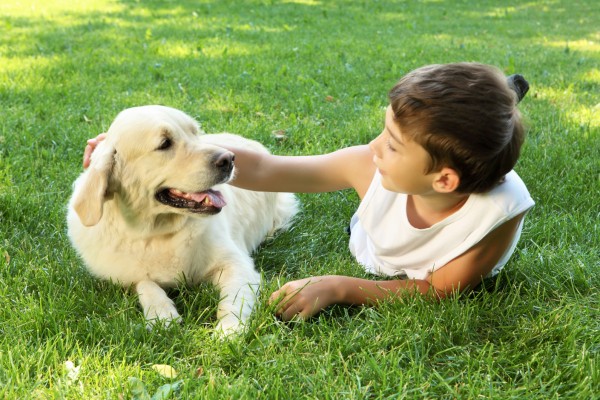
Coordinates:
column 208, row 201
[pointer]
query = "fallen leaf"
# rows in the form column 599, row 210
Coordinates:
column 279, row 134
column 72, row 371
column 165, row 370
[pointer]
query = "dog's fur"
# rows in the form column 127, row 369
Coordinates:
column 130, row 228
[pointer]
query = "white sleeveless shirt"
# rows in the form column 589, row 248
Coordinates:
column 385, row 243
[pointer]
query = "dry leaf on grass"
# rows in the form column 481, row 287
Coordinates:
column 165, row 370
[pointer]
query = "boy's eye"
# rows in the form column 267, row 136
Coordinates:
column 389, row 145
column 165, row 144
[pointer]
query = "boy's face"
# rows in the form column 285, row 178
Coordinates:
column 401, row 161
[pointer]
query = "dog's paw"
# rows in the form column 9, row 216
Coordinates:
column 229, row 326
column 164, row 313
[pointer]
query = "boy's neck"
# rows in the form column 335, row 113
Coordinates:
column 425, row 211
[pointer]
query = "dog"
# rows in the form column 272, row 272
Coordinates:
column 154, row 209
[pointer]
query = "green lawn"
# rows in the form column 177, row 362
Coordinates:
column 316, row 73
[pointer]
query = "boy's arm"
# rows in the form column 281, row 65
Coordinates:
column 350, row 167
column 463, row 273
column 306, row 297
column 468, row 270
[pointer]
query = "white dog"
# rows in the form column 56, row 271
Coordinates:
column 153, row 210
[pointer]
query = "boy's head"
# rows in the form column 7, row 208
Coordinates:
column 465, row 116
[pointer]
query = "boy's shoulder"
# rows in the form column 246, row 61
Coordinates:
column 511, row 185
column 510, row 195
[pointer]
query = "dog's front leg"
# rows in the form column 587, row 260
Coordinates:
column 238, row 285
column 156, row 304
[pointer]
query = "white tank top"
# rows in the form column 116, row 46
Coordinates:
column 385, row 243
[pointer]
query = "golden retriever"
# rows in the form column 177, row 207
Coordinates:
column 153, row 210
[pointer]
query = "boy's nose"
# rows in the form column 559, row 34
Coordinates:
column 374, row 145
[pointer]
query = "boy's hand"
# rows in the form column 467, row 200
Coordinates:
column 89, row 149
column 305, row 297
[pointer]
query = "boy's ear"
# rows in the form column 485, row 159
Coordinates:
column 446, row 181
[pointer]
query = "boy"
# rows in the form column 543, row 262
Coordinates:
column 440, row 205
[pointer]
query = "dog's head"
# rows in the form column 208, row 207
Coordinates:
column 154, row 160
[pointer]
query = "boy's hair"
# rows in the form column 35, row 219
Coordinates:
column 465, row 116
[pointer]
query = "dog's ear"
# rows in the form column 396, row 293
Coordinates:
column 90, row 193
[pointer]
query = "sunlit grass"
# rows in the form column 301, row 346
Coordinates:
column 568, row 99
column 29, row 8
column 582, row 45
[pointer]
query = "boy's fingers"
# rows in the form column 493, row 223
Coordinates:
column 276, row 296
column 86, row 156
column 294, row 311
column 283, row 303
column 89, row 148
column 281, row 293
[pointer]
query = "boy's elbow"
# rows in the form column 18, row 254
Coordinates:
column 428, row 289
column 440, row 292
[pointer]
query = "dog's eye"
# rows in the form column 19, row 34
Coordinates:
column 165, row 144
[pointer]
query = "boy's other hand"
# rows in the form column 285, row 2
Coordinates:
column 89, row 149
column 305, row 297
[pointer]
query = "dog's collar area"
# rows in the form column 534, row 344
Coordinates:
column 206, row 202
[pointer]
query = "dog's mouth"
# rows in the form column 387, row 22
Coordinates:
column 207, row 202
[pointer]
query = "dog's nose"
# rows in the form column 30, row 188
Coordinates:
column 224, row 161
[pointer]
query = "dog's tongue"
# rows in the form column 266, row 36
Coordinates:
column 209, row 198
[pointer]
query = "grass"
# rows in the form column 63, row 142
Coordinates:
column 318, row 73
